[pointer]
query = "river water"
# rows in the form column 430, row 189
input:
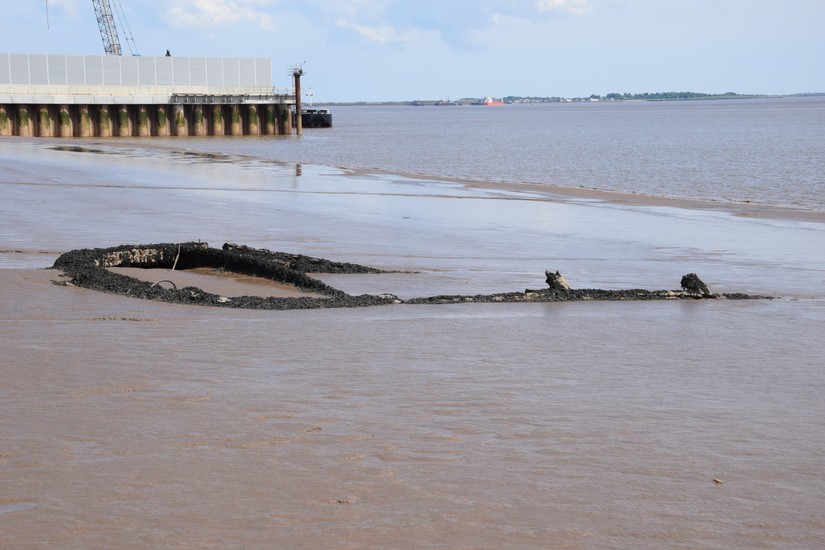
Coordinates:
column 582, row 425
column 765, row 151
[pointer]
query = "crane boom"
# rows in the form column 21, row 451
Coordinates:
column 106, row 23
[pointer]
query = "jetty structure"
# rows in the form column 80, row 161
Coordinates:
column 45, row 95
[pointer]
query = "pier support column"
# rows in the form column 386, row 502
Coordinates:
column 45, row 128
column 86, row 128
column 217, row 121
column 6, row 122
column 253, row 121
column 198, row 121
column 179, row 117
column 65, row 122
column 24, row 123
column 235, row 120
column 144, row 122
column 270, row 125
column 124, row 121
column 104, row 121
column 163, row 125
column 284, row 120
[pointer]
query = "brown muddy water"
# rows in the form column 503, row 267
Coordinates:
column 133, row 424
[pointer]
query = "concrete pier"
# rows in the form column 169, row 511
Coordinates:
column 102, row 120
column 173, row 97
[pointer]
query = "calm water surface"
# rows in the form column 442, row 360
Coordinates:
column 767, row 151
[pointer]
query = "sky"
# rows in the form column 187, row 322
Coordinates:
column 399, row 50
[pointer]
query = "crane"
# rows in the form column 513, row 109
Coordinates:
column 108, row 30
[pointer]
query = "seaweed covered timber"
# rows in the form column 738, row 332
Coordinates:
column 88, row 268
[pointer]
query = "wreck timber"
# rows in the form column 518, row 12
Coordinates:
column 88, row 268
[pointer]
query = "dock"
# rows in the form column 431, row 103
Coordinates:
column 116, row 96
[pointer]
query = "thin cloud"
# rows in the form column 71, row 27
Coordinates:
column 384, row 21
column 70, row 7
column 382, row 34
column 575, row 7
column 456, row 22
column 218, row 13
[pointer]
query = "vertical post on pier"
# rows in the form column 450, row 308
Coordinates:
column 298, row 73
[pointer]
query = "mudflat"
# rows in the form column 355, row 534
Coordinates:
column 132, row 423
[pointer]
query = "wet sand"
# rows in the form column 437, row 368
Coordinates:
column 130, row 423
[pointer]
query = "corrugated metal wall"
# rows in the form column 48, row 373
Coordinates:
column 99, row 70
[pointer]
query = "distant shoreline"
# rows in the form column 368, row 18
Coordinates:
column 609, row 98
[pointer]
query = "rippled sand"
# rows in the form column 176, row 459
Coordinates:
column 133, row 424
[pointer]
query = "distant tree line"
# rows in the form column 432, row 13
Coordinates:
column 647, row 96
column 670, row 95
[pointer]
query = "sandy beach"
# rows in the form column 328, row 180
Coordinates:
column 129, row 423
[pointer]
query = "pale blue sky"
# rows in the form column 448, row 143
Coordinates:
column 376, row 50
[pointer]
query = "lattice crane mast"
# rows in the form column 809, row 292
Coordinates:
column 106, row 23
column 108, row 30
